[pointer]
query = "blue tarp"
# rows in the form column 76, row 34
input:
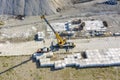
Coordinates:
column 67, row 27
column 111, row 2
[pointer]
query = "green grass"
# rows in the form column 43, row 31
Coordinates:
column 5, row 64
column 33, row 73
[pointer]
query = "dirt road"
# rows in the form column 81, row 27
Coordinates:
column 28, row 48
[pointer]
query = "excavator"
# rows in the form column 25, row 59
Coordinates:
column 61, row 43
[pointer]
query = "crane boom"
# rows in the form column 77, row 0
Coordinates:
column 60, row 40
column 43, row 17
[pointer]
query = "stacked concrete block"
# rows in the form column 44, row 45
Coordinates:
column 96, row 25
column 104, row 58
column 95, row 58
column 77, row 55
column 59, row 64
column 46, row 62
column 48, row 55
column 70, row 61
column 38, row 56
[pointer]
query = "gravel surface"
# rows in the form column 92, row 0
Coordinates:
column 28, row 48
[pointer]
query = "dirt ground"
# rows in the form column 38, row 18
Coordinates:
column 24, row 30
column 23, row 68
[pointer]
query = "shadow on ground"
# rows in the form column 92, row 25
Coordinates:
column 24, row 62
column 80, row 1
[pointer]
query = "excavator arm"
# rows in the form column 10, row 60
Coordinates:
column 60, row 40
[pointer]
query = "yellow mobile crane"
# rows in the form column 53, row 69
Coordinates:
column 61, row 43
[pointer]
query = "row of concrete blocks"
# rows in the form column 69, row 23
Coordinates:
column 111, row 57
column 110, row 53
column 77, row 63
